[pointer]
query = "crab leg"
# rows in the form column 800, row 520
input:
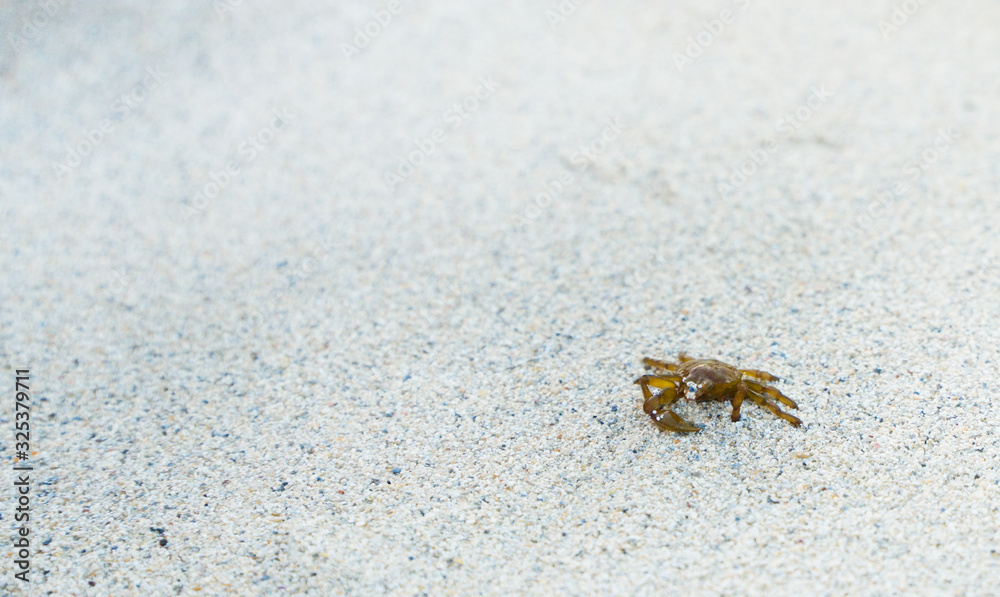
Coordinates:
column 759, row 374
column 657, row 381
column 741, row 392
column 657, row 364
column 772, row 392
column 761, row 400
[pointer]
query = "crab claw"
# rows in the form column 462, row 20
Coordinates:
column 658, row 406
column 668, row 420
column 651, row 404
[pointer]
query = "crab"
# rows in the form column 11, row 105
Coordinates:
column 701, row 380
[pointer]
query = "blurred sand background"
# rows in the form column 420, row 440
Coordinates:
column 310, row 310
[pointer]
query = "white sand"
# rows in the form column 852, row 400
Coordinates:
column 313, row 383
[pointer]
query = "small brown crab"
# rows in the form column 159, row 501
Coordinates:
column 701, row 380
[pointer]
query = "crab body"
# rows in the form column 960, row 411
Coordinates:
column 703, row 380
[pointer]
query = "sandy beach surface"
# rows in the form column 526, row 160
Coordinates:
column 348, row 298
